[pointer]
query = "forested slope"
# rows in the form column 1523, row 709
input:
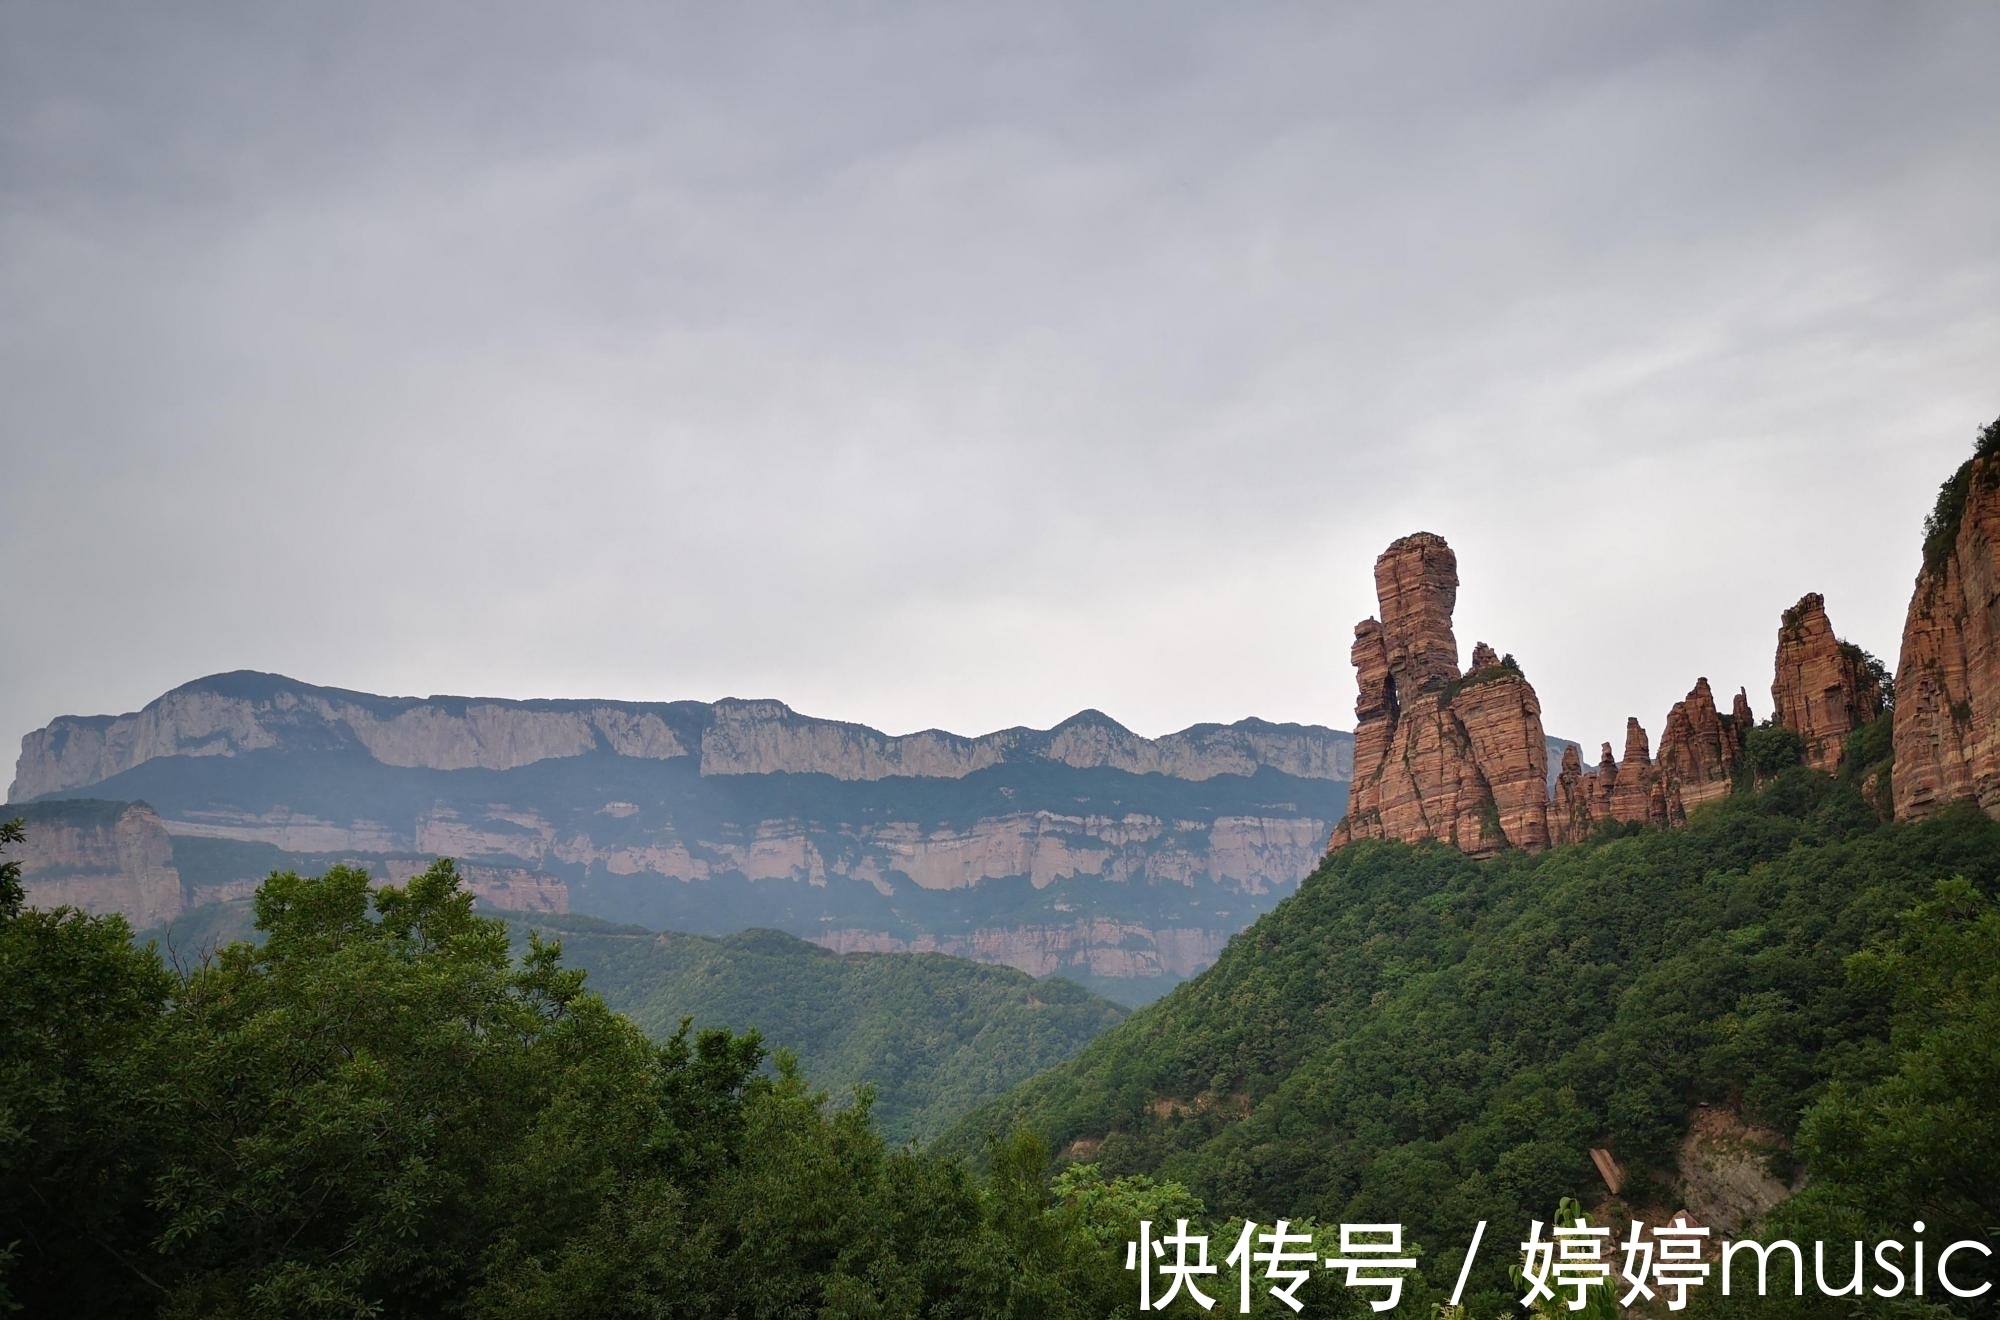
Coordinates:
column 933, row 1036
column 1418, row 1037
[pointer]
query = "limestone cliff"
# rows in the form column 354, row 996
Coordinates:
column 1439, row 755
column 100, row 857
column 1947, row 722
column 1822, row 687
column 231, row 714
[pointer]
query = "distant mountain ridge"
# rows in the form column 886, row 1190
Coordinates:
column 228, row 714
column 1122, row 861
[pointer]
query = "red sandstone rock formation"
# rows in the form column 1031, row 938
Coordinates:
column 1700, row 750
column 1437, row 755
column 1947, row 730
column 1821, row 689
column 1631, row 795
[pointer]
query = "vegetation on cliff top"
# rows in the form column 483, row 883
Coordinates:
column 1941, row 526
column 1420, row 1037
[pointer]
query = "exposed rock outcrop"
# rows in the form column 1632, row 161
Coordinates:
column 1631, row 795
column 1822, row 688
column 231, row 714
column 1700, row 751
column 1438, row 755
column 100, row 857
column 1723, row 1171
column 1947, row 729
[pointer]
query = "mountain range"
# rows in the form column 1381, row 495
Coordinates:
column 1121, row 861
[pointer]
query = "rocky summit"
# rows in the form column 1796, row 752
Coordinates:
column 1823, row 688
column 1459, row 758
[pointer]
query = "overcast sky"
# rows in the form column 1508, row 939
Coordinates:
column 964, row 366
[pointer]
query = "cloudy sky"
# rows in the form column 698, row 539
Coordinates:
column 965, row 365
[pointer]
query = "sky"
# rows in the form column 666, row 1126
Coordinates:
column 964, row 366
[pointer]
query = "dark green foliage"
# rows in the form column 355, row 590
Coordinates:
column 1869, row 762
column 1941, row 526
column 80, row 1089
column 11, row 892
column 380, row 1111
column 1418, row 1036
column 1770, row 749
column 1877, row 673
column 933, row 1036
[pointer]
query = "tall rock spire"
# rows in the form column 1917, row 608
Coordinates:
column 1821, row 687
column 1438, row 755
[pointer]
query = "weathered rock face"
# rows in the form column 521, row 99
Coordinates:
column 231, row 714
column 100, row 857
column 1459, row 759
column 1723, row 1170
column 1821, row 689
column 1700, row 750
column 119, row 857
column 1947, row 730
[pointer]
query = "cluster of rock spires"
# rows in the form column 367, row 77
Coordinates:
column 1459, row 757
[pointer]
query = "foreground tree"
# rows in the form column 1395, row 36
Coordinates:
column 82, row 1097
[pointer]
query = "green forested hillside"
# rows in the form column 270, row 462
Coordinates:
column 1418, row 1037
column 934, row 1036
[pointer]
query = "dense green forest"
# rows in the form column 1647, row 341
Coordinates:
column 933, row 1037
column 1418, row 1037
column 379, row 1110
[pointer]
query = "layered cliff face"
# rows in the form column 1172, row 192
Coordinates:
column 122, row 857
column 100, row 857
column 231, row 714
column 1822, row 687
column 1085, row 849
column 1947, row 723
column 1461, row 759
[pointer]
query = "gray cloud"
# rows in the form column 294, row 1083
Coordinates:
column 964, row 366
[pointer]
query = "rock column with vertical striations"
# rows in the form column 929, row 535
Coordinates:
column 1438, row 755
column 1821, row 687
column 1947, row 729
column 1699, row 750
